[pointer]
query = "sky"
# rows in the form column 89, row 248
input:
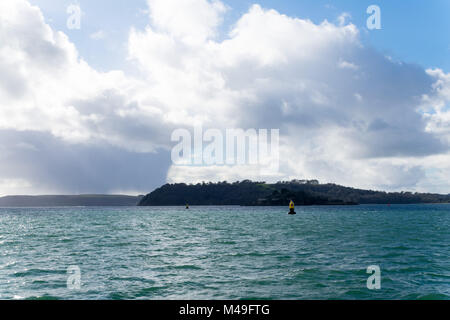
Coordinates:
column 92, row 109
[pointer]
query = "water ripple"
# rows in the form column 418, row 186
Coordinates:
column 225, row 252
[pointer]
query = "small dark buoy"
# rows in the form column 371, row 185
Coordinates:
column 291, row 208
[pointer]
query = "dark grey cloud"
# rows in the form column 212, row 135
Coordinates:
column 51, row 164
column 123, row 122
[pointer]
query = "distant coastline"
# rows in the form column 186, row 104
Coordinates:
column 93, row 200
column 241, row 193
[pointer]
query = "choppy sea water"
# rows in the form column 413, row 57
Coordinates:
column 225, row 252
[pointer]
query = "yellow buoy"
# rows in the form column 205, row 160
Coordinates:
column 291, row 207
column 187, row 206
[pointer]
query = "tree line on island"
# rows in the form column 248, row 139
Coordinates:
column 302, row 192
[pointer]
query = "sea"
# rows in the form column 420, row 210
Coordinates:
column 330, row 252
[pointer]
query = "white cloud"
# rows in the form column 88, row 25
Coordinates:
column 436, row 105
column 193, row 21
column 347, row 65
column 99, row 35
column 45, row 86
column 342, row 19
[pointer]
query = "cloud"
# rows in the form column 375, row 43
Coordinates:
column 347, row 65
column 335, row 101
column 47, row 87
column 346, row 113
column 39, row 163
column 436, row 105
column 194, row 21
column 66, row 127
column 342, row 19
column 99, row 35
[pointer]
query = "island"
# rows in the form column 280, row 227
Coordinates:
column 302, row 192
